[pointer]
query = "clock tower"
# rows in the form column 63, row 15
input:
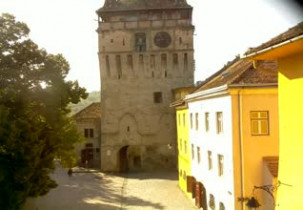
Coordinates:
column 145, row 51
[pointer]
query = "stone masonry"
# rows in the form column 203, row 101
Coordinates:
column 145, row 51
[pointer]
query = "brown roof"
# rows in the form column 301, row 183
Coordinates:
column 124, row 5
column 289, row 34
column 241, row 72
column 272, row 163
column 91, row 111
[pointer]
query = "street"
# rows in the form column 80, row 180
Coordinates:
column 92, row 191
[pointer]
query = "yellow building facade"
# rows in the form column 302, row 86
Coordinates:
column 184, row 165
column 183, row 142
column 287, row 49
column 255, row 138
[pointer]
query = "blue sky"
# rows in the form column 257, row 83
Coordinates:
column 223, row 30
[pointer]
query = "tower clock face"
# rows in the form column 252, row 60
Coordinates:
column 162, row 39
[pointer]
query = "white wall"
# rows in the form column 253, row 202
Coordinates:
column 222, row 187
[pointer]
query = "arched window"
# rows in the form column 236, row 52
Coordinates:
column 211, row 202
column 221, row 206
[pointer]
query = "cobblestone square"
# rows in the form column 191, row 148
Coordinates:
column 92, row 191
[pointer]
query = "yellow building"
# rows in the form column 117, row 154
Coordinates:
column 287, row 48
column 183, row 142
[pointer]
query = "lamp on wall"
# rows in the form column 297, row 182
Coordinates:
column 253, row 204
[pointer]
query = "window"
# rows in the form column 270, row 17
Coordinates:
column 141, row 61
column 197, row 121
column 130, row 62
column 89, row 133
column 175, row 61
column 210, row 161
column 184, row 120
column 140, row 42
column 259, row 123
column 220, row 165
column 180, row 145
column 198, row 154
column 211, row 202
column 206, row 121
column 221, row 206
column 164, row 64
column 191, row 120
column 152, row 62
column 192, row 151
column 185, row 147
column 158, row 97
column 179, row 119
column 219, row 117
column 185, row 62
column 118, row 64
column 107, row 65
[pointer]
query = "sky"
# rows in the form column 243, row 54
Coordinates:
column 223, row 30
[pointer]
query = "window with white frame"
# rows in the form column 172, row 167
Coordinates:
column 210, row 160
column 192, row 151
column 206, row 121
column 219, row 119
column 198, row 155
column 220, row 165
column 197, row 121
column 191, row 120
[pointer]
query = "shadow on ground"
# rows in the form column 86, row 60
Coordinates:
column 87, row 191
column 164, row 175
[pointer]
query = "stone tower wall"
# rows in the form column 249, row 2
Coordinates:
column 136, row 86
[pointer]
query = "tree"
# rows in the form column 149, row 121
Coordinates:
column 34, row 124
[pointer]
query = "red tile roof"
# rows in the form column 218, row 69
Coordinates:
column 241, row 72
column 289, row 34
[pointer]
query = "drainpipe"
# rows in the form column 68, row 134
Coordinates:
column 241, row 147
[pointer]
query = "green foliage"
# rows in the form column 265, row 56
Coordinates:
column 34, row 127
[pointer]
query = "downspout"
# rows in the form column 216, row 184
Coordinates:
column 241, row 148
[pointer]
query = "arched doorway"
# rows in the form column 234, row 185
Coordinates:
column 200, row 196
column 123, row 161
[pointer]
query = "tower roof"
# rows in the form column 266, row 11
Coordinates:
column 126, row 5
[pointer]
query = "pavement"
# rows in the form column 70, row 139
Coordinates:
column 92, row 190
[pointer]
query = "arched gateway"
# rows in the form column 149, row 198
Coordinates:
column 123, row 160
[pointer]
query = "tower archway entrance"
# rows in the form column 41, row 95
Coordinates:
column 123, row 160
